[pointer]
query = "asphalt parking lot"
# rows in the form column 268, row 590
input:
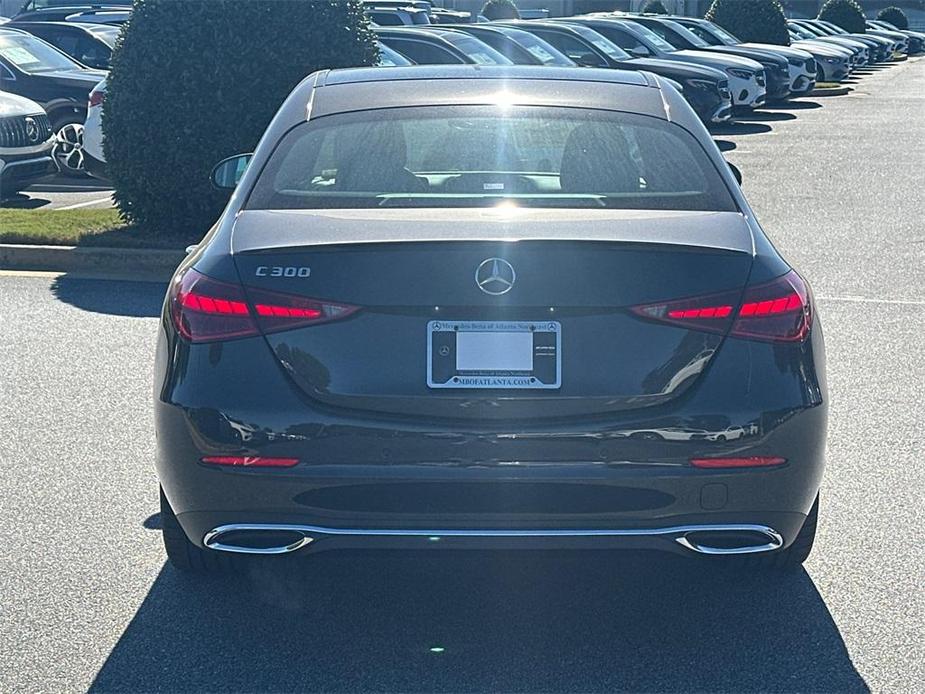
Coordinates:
column 88, row 602
column 63, row 193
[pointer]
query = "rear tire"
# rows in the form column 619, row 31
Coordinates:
column 182, row 553
column 798, row 552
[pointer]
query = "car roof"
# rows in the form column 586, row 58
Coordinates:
column 417, row 31
column 356, row 89
column 486, row 72
column 75, row 26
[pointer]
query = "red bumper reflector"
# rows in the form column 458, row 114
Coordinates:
column 249, row 461
column 753, row 461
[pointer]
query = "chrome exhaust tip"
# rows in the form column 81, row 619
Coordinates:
column 257, row 539
column 731, row 539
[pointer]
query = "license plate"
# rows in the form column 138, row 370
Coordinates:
column 494, row 354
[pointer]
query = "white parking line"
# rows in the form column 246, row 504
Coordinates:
column 108, row 198
column 865, row 300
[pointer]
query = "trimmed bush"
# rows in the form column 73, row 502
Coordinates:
column 894, row 16
column 194, row 82
column 654, row 7
column 500, row 9
column 844, row 13
column 761, row 21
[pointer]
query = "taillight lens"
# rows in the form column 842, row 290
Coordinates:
column 96, row 98
column 779, row 310
column 206, row 310
column 277, row 311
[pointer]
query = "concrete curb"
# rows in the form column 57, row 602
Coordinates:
column 142, row 264
column 835, row 91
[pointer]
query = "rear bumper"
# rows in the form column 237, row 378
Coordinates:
column 614, row 480
column 501, row 502
column 697, row 538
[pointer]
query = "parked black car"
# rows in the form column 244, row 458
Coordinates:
column 88, row 44
column 519, row 46
column 61, row 10
column 439, row 46
column 706, row 89
column 549, row 324
column 37, row 70
column 776, row 67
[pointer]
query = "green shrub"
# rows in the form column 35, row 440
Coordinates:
column 761, row 21
column 500, row 9
column 197, row 81
column 845, row 13
column 894, row 16
column 655, row 7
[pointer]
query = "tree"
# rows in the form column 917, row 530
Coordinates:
column 654, row 7
column 191, row 85
column 500, row 9
column 761, row 21
column 845, row 13
column 894, row 16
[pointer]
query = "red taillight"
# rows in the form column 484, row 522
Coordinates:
column 206, row 310
column 779, row 310
column 96, row 98
column 725, row 463
column 276, row 311
column 249, row 461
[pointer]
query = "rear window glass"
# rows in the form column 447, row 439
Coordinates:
column 464, row 156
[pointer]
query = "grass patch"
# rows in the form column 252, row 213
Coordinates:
column 78, row 228
column 829, row 85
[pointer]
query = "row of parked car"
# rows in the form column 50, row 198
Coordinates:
column 718, row 74
column 53, row 61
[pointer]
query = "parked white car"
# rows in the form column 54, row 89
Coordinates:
column 26, row 143
column 94, row 159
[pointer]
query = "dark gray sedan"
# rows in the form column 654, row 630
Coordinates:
column 466, row 306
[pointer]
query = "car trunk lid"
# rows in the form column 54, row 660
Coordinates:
column 577, row 273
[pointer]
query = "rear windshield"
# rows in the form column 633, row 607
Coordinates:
column 480, row 156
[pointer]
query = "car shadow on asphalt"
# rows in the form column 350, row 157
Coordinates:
column 114, row 297
column 481, row 621
column 769, row 116
column 740, row 128
column 19, row 201
column 792, row 106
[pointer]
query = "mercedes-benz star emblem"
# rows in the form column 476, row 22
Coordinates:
column 495, row 276
column 32, row 129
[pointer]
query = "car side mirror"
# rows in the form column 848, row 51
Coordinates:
column 735, row 172
column 228, row 172
column 638, row 51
